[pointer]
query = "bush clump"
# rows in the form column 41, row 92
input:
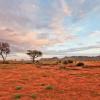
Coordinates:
column 33, row 96
column 62, row 67
column 80, row 64
column 49, row 87
column 70, row 61
column 17, row 96
column 65, row 62
column 19, row 87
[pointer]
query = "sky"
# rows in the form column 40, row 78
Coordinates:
column 55, row 27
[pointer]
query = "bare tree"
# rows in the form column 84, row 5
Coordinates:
column 34, row 54
column 4, row 50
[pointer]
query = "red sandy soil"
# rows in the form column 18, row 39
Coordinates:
column 69, row 84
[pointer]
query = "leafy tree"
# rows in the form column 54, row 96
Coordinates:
column 4, row 50
column 34, row 54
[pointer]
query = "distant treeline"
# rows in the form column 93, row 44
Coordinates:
column 77, row 58
column 84, row 58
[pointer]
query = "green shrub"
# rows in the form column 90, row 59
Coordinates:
column 80, row 64
column 17, row 96
column 49, row 87
column 33, row 96
column 18, row 87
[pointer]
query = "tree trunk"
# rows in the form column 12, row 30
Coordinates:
column 4, row 60
column 33, row 59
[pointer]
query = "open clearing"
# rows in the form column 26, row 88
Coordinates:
column 29, row 82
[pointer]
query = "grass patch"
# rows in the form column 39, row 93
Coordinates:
column 49, row 87
column 42, row 84
column 17, row 96
column 61, row 91
column 18, row 87
column 33, row 96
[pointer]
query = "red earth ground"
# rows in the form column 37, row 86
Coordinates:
column 31, row 82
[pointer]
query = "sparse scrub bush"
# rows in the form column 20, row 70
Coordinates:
column 49, row 87
column 42, row 84
column 36, row 62
column 65, row 62
column 59, row 61
column 17, row 96
column 18, row 87
column 62, row 67
column 33, row 96
column 80, row 64
column 70, row 61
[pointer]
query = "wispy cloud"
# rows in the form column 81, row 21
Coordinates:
column 73, row 51
column 94, row 34
column 38, row 24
